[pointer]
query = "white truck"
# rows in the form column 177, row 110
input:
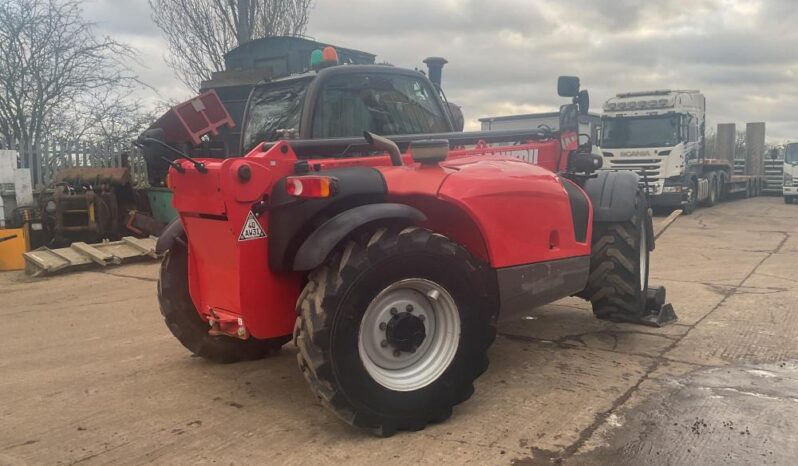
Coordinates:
column 790, row 189
column 660, row 135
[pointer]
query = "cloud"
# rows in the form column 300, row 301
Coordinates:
column 505, row 55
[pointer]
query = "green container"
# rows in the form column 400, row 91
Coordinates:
column 161, row 204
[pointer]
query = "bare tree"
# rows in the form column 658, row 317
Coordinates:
column 52, row 64
column 200, row 32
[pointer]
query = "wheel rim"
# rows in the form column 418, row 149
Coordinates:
column 390, row 343
column 643, row 258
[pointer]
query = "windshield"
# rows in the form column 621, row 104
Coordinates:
column 653, row 131
column 273, row 107
column 791, row 154
column 382, row 103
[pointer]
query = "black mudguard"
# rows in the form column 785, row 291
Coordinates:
column 315, row 249
column 614, row 198
column 169, row 235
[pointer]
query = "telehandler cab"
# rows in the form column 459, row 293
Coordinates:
column 388, row 259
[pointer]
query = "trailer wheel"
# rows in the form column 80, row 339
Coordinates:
column 788, row 199
column 692, row 198
column 394, row 328
column 714, row 191
column 722, row 194
column 187, row 326
column 618, row 283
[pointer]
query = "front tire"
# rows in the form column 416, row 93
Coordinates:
column 619, row 266
column 394, row 328
column 187, row 326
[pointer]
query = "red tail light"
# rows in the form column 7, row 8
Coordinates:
column 310, row 187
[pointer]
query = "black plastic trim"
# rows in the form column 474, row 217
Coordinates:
column 321, row 242
column 613, row 194
column 292, row 220
column 169, row 235
column 580, row 209
column 523, row 287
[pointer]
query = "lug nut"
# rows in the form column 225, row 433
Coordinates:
column 409, row 308
column 383, row 325
column 384, row 343
column 241, row 331
column 394, row 311
column 397, row 353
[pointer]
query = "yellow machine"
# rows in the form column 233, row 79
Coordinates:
column 13, row 244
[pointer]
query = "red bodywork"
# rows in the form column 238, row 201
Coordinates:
column 506, row 211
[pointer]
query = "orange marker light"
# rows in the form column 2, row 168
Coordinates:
column 329, row 55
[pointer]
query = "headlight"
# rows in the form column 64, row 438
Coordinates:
column 787, row 179
column 672, row 189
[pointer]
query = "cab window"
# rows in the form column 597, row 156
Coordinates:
column 381, row 103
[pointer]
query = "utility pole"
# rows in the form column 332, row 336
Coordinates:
column 244, row 35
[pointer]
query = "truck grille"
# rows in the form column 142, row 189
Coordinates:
column 647, row 169
column 651, row 167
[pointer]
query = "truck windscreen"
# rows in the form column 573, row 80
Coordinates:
column 648, row 131
column 791, row 154
column 273, row 108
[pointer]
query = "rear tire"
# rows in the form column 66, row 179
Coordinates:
column 190, row 329
column 342, row 312
column 618, row 284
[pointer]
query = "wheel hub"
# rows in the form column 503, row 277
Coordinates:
column 405, row 332
column 409, row 334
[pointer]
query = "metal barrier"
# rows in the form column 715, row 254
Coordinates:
column 47, row 158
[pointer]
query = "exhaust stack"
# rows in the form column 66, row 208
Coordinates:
column 435, row 69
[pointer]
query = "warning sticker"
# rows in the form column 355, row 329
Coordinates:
column 252, row 229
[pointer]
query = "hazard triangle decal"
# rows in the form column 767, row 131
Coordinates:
column 252, row 229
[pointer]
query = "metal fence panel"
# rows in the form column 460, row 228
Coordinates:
column 47, row 158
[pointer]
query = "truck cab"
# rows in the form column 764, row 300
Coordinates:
column 658, row 134
column 790, row 188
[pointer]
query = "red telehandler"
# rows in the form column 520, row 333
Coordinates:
column 388, row 259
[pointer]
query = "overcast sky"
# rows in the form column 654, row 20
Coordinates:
column 505, row 55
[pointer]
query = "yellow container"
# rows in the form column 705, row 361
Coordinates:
column 12, row 246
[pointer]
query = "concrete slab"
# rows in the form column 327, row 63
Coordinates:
column 718, row 416
column 90, row 374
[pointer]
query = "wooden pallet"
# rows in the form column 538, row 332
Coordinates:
column 45, row 261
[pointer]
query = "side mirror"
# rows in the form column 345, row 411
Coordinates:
column 568, row 86
column 583, row 100
column 569, row 118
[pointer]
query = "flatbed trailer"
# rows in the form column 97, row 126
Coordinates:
column 719, row 174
